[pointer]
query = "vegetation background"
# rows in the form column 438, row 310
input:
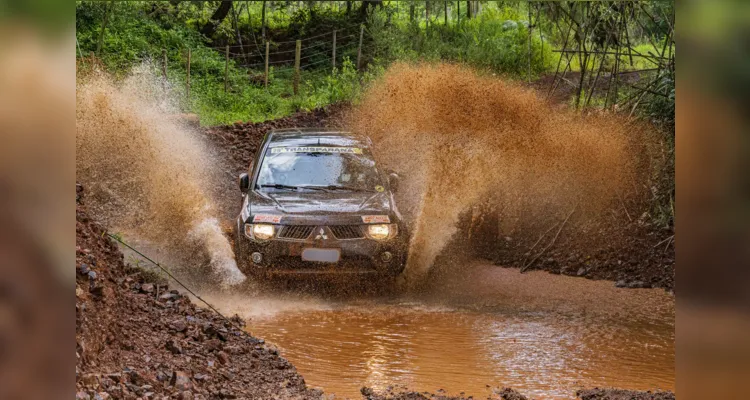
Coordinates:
column 618, row 56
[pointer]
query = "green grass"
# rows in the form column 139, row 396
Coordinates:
column 643, row 58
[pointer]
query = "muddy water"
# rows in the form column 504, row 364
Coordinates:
column 542, row 334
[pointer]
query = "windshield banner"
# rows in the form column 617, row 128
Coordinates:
column 316, row 149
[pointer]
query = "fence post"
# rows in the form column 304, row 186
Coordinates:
column 268, row 44
column 226, row 70
column 296, row 66
column 359, row 50
column 333, row 56
column 189, row 55
column 164, row 63
column 529, row 44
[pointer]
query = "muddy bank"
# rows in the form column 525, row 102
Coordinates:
column 136, row 338
column 635, row 254
column 632, row 252
column 510, row 394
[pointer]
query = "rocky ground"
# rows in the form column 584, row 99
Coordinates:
column 136, row 338
column 618, row 394
column 510, row 394
column 637, row 254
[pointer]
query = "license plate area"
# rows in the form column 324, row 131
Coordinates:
column 321, row 255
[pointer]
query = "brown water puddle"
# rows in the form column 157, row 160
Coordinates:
column 541, row 334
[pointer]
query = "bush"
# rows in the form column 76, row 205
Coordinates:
column 497, row 40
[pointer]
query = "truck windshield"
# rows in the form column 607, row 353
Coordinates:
column 329, row 168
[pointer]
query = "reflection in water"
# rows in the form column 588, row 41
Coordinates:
column 546, row 345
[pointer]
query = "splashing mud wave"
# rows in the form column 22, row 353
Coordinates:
column 148, row 173
column 460, row 139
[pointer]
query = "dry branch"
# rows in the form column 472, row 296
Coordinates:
column 562, row 225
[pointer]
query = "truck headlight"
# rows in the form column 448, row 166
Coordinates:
column 259, row 231
column 382, row 231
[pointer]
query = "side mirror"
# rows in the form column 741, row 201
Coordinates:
column 393, row 181
column 244, row 181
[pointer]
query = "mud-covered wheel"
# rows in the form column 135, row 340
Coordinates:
column 243, row 263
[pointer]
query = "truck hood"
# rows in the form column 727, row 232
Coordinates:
column 316, row 203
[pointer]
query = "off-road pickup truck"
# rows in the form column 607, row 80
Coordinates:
column 314, row 201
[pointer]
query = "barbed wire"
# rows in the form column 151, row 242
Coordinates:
column 320, row 35
column 289, row 41
column 339, row 56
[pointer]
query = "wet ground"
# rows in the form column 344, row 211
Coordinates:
column 544, row 335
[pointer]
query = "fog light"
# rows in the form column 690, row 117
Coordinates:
column 386, row 256
column 262, row 231
column 257, row 257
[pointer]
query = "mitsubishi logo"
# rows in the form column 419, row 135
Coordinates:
column 321, row 235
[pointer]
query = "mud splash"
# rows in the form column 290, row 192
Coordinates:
column 460, row 139
column 148, row 174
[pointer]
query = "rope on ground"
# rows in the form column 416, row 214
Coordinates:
column 236, row 325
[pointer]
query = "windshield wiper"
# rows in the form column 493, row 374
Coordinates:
column 280, row 186
column 335, row 187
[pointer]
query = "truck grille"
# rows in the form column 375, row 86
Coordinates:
column 346, row 231
column 296, row 231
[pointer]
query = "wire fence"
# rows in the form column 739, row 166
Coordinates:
column 287, row 56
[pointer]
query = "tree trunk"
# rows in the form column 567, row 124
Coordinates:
column 411, row 12
column 213, row 23
column 427, row 14
column 366, row 5
column 468, row 9
column 263, row 21
column 100, row 42
column 349, row 7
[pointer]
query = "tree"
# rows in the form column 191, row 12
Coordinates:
column 213, row 23
column 366, row 6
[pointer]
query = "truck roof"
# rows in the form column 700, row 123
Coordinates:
column 316, row 136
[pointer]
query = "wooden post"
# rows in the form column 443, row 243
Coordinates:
column 268, row 44
column 528, row 75
column 296, row 66
column 164, row 63
column 333, row 56
column 359, row 50
column 187, row 91
column 226, row 70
